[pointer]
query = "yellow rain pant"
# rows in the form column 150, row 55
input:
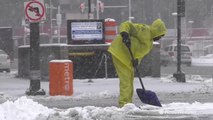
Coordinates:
column 126, row 77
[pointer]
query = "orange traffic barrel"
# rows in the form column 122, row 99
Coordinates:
column 110, row 30
column 61, row 77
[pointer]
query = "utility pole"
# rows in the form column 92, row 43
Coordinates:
column 211, row 18
column 58, row 21
column 35, row 88
column 130, row 11
column 90, row 9
column 51, row 7
column 179, row 75
column 51, row 24
column 97, row 8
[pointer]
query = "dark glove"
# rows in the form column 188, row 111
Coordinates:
column 125, row 38
column 135, row 62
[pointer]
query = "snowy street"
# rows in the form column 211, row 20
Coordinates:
column 54, row 55
column 98, row 100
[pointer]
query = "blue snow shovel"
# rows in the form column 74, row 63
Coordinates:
column 146, row 96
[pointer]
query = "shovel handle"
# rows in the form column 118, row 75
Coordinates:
column 136, row 69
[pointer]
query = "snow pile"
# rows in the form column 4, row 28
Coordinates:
column 22, row 109
column 26, row 109
column 91, row 113
column 96, row 113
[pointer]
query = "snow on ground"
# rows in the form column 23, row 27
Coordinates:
column 203, row 60
column 25, row 108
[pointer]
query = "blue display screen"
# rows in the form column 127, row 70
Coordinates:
column 85, row 31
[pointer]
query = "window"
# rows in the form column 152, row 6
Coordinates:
column 183, row 49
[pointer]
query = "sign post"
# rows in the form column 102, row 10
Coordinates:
column 34, row 13
column 179, row 75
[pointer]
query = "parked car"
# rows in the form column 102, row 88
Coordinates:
column 165, row 58
column 4, row 61
column 208, row 49
column 169, row 55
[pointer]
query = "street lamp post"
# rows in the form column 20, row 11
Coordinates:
column 130, row 11
column 97, row 8
column 51, row 21
column 130, row 14
column 51, row 7
column 91, row 9
column 58, row 20
column 179, row 75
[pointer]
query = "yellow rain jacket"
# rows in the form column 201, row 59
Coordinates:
column 141, row 37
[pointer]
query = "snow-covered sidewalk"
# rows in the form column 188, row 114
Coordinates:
column 97, row 100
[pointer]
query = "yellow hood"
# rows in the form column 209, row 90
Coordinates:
column 158, row 28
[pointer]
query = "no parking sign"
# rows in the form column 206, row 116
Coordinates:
column 34, row 11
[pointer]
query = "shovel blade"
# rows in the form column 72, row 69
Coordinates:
column 148, row 97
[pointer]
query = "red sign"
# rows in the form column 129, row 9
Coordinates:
column 34, row 11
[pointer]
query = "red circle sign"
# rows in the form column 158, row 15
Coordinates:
column 30, row 8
